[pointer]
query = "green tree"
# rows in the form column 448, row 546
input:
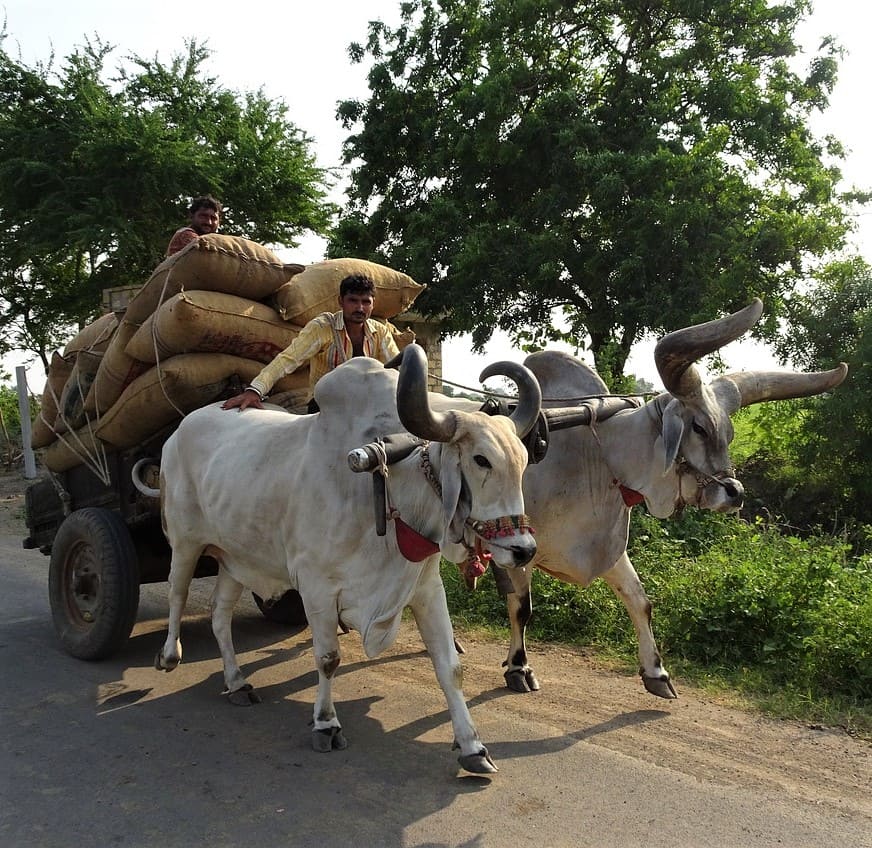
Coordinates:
column 97, row 170
column 833, row 323
column 637, row 165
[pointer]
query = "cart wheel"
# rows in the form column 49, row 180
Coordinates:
column 93, row 583
column 288, row 609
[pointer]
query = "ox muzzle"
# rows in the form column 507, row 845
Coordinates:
column 511, row 534
column 716, row 492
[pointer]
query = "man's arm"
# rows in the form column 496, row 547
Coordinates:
column 311, row 340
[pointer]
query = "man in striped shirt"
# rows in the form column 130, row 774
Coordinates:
column 326, row 341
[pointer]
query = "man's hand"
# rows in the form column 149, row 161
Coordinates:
column 243, row 400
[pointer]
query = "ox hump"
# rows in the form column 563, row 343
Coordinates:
column 562, row 375
column 360, row 388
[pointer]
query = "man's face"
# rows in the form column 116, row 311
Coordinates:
column 204, row 220
column 356, row 308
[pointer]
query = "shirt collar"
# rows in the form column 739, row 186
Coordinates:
column 339, row 324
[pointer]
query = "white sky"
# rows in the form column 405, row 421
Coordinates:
column 296, row 52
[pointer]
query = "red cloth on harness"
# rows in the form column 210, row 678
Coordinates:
column 413, row 546
column 631, row 496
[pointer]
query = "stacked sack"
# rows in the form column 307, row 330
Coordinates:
column 212, row 314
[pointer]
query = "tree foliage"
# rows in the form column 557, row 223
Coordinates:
column 637, row 165
column 10, row 413
column 96, row 172
column 833, row 323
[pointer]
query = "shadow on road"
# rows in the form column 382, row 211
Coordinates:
column 117, row 753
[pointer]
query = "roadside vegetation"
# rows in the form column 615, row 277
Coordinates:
column 773, row 611
column 10, row 427
column 782, row 621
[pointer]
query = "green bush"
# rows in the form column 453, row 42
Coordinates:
column 798, row 609
column 10, row 432
column 743, row 603
column 9, row 408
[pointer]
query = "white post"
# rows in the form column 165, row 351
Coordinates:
column 24, row 412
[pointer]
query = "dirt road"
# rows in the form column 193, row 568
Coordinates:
column 116, row 753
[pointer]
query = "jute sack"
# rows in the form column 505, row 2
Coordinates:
column 211, row 322
column 402, row 338
column 116, row 372
column 316, row 289
column 167, row 391
column 71, row 449
column 295, row 400
column 71, row 411
column 213, row 262
column 96, row 336
column 59, row 370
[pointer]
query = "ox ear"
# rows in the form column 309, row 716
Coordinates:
column 456, row 500
column 673, row 430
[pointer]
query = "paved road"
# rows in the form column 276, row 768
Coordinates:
column 117, row 754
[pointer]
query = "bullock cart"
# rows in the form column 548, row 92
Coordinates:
column 197, row 331
column 104, row 540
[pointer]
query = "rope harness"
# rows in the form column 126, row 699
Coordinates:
column 415, row 547
column 685, row 469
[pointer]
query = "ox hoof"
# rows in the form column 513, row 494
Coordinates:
column 521, row 680
column 458, row 646
column 329, row 739
column 479, row 763
column 660, row 686
column 163, row 664
column 244, row 697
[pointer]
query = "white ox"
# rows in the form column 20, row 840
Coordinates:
column 270, row 496
column 670, row 452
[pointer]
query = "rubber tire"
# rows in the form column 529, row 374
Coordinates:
column 93, row 546
column 287, row 610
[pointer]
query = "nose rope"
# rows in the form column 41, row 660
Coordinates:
column 703, row 479
column 683, row 467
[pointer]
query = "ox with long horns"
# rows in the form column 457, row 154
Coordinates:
column 670, row 452
column 271, row 498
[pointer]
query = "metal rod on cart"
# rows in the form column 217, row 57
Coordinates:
column 24, row 412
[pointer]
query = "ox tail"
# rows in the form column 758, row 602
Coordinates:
column 146, row 490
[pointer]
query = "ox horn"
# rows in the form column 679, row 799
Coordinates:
column 413, row 405
column 676, row 352
column 759, row 386
column 526, row 413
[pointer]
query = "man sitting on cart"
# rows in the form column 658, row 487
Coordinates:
column 326, row 341
column 205, row 214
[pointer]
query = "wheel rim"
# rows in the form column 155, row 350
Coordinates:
column 83, row 582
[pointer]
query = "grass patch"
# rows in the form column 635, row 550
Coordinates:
column 778, row 623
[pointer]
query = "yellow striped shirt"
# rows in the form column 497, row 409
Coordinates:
column 324, row 343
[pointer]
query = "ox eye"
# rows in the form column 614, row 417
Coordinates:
column 698, row 429
column 482, row 461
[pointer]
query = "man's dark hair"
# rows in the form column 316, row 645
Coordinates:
column 356, row 284
column 205, row 201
